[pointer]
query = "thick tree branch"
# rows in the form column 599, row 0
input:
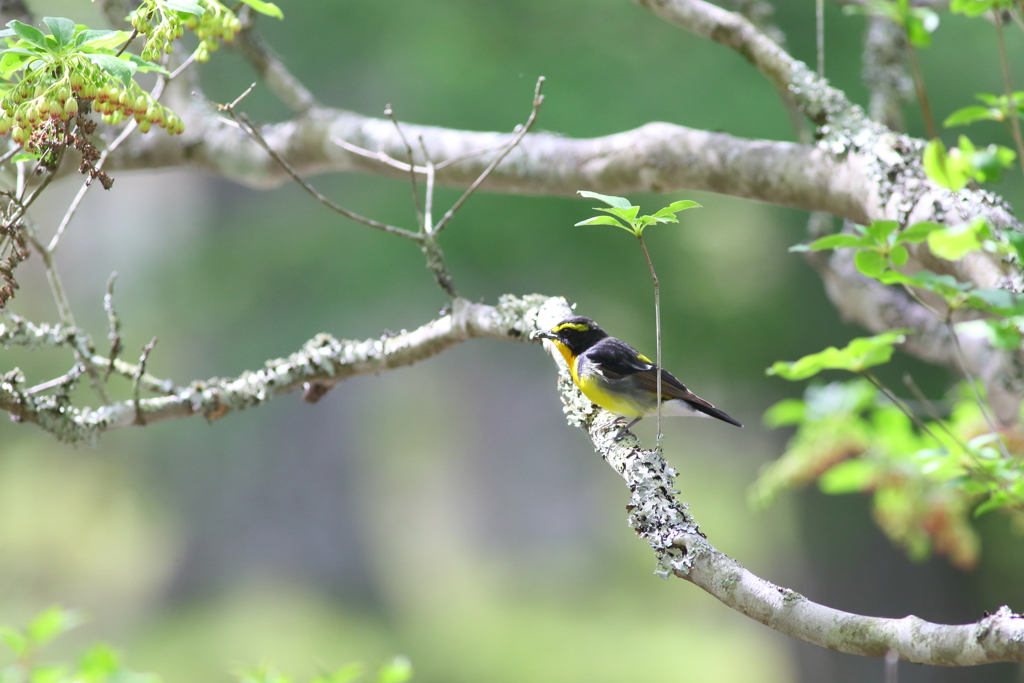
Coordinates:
column 808, row 91
column 321, row 363
column 681, row 549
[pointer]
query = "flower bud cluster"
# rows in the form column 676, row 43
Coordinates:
column 162, row 28
column 39, row 100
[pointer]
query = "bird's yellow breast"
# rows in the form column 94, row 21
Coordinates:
column 592, row 387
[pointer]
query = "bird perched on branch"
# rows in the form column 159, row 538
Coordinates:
column 617, row 377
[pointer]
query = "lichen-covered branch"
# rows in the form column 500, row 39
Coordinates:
column 322, row 362
column 681, row 549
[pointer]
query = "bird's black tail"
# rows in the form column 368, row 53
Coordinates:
column 712, row 411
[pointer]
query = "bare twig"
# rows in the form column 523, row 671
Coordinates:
column 114, row 324
column 249, row 129
column 657, row 329
column 902, row 406
column 64, row 381
column 425, row 227
column 133, row 36
column 982, row 405
column 922, row 95
column 819, row 25
column 156, row 93
column 140, row 417
column 1008, row 86
column 538, row 100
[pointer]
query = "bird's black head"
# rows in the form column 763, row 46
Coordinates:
column 577, row 334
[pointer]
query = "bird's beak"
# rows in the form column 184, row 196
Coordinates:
column 542, row 334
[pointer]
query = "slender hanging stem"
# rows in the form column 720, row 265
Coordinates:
column 1008, row 84
column 657, row 330
column 922, row 96
column 819, row 11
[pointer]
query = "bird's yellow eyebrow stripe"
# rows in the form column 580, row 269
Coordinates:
column 570, row 326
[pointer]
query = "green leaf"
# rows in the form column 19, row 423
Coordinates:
column 30, row 34
column 946, row 170
column 49, row 624
column 849, row 476
column 837, row 241
column 920, row 24
column 870, row 263
column 63, row 30
column 943, row 285
column 918, row 232
column 627, row 215
column 24, row 156
column 989, row 162
column 899, row 255
column 617, row 202
column 345, row 674
column 47, row 673
column 268, row 8
column 859, row 355
column 970, row 114
column 110, row 40
column 955, row 242
column 789, row 411
column 98, row 663
column 670, row 211
column 606, row 220
column 14, row 59
column 880, row 230
column 1016, row 241
column 997, row 500
column 186, row 6
column 998, row 301
column 1001, row 334
column 142, row 66
column 397, row 671
column 118, row 68
column 971, row 8
column 15, row 640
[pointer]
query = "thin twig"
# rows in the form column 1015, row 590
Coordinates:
column 155, row 93
column 909, row 382
column 113, row 323
column 140, row 417
column 184, row 65
column 657, row 330
column 388, row 112
column 962, row 360
column 249, row 129
column 65, row 380
column 64, row 311
column 538, row 100
column 1008, row 85
column 819, row 15
column 922, row 95
column 902, row 406
column 133, row 36
column 428, row 209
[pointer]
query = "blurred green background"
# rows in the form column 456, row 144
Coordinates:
column 445, row 511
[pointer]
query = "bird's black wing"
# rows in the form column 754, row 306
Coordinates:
column 673, row 388
column 616, row 359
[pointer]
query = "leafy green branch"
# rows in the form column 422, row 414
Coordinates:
column 926, row 475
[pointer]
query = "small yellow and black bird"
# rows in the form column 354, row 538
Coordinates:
column 615, row 376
